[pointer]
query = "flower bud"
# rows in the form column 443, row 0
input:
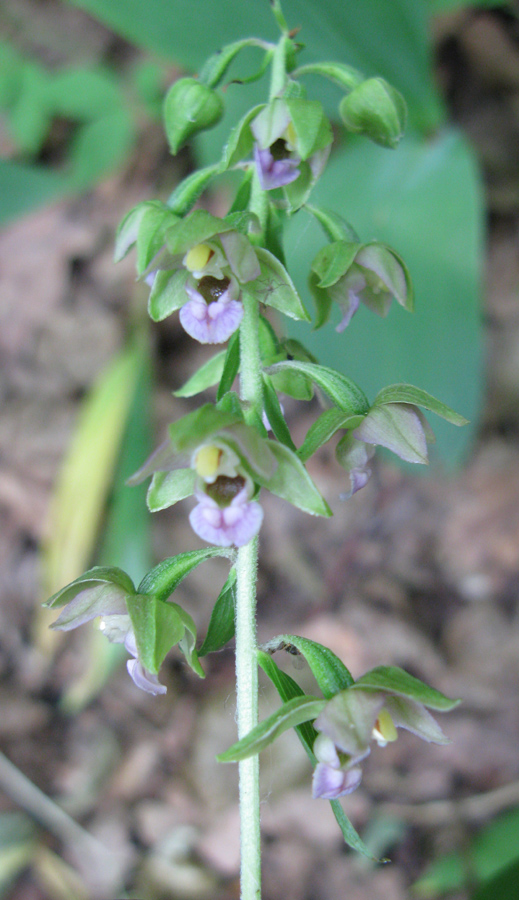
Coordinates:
column 189, row 107
column 375, row 109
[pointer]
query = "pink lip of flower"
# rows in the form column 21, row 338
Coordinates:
column 330, row 783
column 233, row 525
column 210, row 323
column 140, row 676
column 274, row 173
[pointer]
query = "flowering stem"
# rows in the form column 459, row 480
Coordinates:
column 247, row 717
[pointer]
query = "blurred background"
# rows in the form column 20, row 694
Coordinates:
column 106, row 792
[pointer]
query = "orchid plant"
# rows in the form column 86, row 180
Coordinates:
column 226, row 277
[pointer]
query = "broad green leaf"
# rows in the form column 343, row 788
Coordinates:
column 167, row 488
column 292, row 482
column 407, row 393
column 168, row 293
column 324, row 428
column 340, row 389
column 207, row 376
column 292, row 713
column 502, row 887
column 188, row 641
column 230, row 367
column 275, row 288
column 330, row 673
column 287, row 688
column 165, row 578
column 26, row 187
column 400, row 683
column 275, row 415
column 424, row 199
column 84, row 94
column 221, row 624
column 157, row 627
column 188, row 191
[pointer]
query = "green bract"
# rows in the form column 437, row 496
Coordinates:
column 375, row 109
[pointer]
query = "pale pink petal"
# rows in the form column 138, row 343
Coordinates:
column 329, row 783
column 234, row 525
column 211, row 323
column 144, row 680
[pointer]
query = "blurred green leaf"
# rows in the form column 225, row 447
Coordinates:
column 26, row 187
column 100, row 146
column 425, row 200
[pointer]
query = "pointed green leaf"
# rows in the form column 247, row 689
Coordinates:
column 399, row 682
column 221, row 624
column 167, row 488
column 165, row 578
column 275, row 288
column 323, row 429
column 330, row 673
column 292, row 482
column 275, row 415
column 312, row 129
column 207, row 376
column 287, row 689
column 188, row 640
column 351, row 838
column 240, row 140
column 340, row 389
column 188, row 191
column 168, row 293
column 292, row 713
column 407, row 393
column 231, row 366
column 154, row 223
column 157, row 628
column 333, row 261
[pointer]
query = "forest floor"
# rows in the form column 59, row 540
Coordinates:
column 417, row 572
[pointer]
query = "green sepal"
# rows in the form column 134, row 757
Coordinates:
column 274, row 413
column 376, row 109
column 200, row 226
column 346, row 77
column 98, row 575
column 188, row 641
column 161, row 581
column 193, row 430
column 127, row 231
column 256, row 454
column 297, row 192
column 231, row 366
column 188, row 191
column 330, row 673
column 241, row 139
column 342, row 391
column 243, row 194
column 396, row 681
column 323, row 429
column 287, row 688
column 207, row 376
column 215, row 68
column 292, row 482
column 323, row 301
column 292, row 713
column 154, row 224
column 312, row 128
column 167, row 488
column 334, row 226
column 333, row 261
column 221, row 624
column 293, row 383
column 275, row 288
column 157, row 627
column 168, row 293
column 407, row 393
column 189, row 107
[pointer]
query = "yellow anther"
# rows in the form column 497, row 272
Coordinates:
column 291, row 134
column 384, row 731
column 198, row 257
column 207, row 462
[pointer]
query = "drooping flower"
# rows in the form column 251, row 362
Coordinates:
column 355, row 717
column 212, row 313
column 107, row 602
